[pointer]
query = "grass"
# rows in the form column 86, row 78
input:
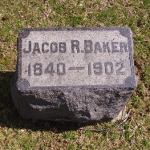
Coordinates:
column 15, row 132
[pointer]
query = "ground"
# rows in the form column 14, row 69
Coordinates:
column 17, row 133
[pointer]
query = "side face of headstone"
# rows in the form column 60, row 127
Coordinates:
column 78, row 74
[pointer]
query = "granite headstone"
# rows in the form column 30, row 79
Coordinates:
column 74, row 74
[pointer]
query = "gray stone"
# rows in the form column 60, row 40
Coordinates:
column 75, row 74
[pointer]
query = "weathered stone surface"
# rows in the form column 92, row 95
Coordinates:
column 77, row 74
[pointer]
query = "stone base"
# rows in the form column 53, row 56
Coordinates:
column 74, row 104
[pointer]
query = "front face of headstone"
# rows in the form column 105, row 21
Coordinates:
column 90, row 57
column 78, row 74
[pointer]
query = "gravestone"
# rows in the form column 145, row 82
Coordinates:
column 74, row 74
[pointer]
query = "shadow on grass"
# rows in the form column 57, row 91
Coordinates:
column 9, row 116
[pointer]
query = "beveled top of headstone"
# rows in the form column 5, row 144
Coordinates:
column 75, row 58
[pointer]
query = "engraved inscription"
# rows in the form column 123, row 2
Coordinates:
column 98, row 68
column 75, row 58
column 89, row 47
